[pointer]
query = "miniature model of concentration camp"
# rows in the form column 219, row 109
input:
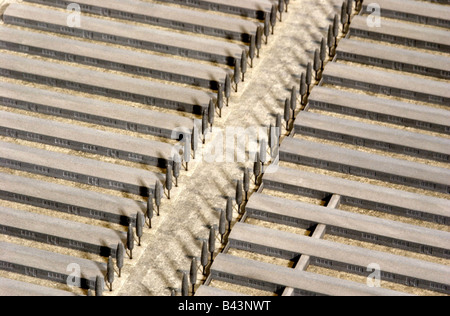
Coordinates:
column 224, row 147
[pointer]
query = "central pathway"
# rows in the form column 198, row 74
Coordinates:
column 177, row 234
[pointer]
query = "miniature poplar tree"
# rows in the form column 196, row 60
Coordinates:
column 158, row 195
column 99, row 285
column 246, row 183
column 344, row 12
column 237, row 73
column 227, row 88
column 258, row 40
column 211, row 113
column 271, row 139
column 120, row 254
column 187, row 150
column 257, row 168
column 317, row 63
column 308, row 78
column 204, row 124
column 222, row 225
column 243, row 64
column 349, row 11
column 273, row 17
column 266, row 26
column 344, row 16
column 204, row 256
column 140, row 222
column 185, row 285
column 229, row 212
column 293, row 101
column 239, row 198
column 323, row 53
column 194, row 138
column 287, row 112
column 130, row 240
column 286, row 4
column 263, row 153
column 176, row 167
column 330, row 40
column 212, row 241
column 253, row 48
column 110, row 272
column 219, row 99
column 169, row 181
column 303, row 88
column 335, row 29
column 281, row 9
column 150, row 210
column 273, row 143
column 193, row 274
column 278, row 127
